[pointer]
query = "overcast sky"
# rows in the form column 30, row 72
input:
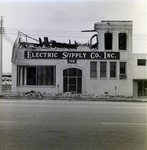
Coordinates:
column 63, row 20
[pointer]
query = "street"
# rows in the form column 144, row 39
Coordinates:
column 72, row 125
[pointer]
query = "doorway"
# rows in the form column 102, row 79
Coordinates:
column 142, row 88
column 72, row 80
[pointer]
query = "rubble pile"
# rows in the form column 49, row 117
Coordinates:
column 38, row 95
column 6, row 87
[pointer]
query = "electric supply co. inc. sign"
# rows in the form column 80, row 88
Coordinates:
column 70, row 55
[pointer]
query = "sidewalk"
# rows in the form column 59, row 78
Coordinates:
column 84, row 98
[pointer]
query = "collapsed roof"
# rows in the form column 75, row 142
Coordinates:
column 25, row 41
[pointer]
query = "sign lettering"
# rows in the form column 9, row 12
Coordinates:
column 70, row 55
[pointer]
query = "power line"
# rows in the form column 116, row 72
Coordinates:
column 8, row 39
column 60, row 33
column 72, row 36
column 54, row 31
column 56, row 19
column 49, row 18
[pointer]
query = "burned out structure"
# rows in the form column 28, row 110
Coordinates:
column 100, row 67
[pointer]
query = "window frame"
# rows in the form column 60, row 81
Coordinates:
column 143, row 63
column 108, row 41
column 23, row 75
column 93, row 72
column 122, row 40
column 123, row 75
column 103, row 69
column 115, row 70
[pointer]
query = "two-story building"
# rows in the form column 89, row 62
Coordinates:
column 102, row 66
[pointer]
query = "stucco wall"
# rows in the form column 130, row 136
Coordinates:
column 90, row 85
column 113, row 86
column 139, row 72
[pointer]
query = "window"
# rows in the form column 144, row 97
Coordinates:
column 112, row 69
column 122, row 73
column 31, row 75
column 72, row 72
column 94, row 38
column 108, row 41
column 122, row 41
column 21, row 75
column 141, row 62
column 93, row 69
column 45, row 75
column 36, row 75
column 103, row 69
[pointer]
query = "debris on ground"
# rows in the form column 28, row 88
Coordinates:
column 67, row 95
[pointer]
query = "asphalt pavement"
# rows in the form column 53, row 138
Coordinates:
column 72, row 125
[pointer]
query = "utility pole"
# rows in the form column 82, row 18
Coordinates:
column 1, row 46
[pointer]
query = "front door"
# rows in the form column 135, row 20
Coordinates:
column 72, row 84
column 72, row 80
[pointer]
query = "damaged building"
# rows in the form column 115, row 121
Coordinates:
column 102, row 66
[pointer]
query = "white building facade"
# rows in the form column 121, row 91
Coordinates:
column 104, row 66
column 140, row 75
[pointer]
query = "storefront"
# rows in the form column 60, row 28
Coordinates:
column 104, row 67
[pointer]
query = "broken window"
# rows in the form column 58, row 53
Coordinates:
column 141, row 62
column 122, row 70
column 112, row 69
column 122, row 41
column 103, row 69
column 93, row 69
column 94, row 41
column 108, row 41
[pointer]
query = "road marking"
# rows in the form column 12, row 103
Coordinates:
column 115, row 123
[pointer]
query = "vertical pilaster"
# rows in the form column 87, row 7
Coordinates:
column 21, row 74
column 101, row 40
column 108, row 70
column 115, row 41
column 25, row 75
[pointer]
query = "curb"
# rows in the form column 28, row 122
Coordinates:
column 72, row 99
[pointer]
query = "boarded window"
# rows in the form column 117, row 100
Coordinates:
column 103, row 69
column 141, row 62
column 108, row 41
column 112, row 69
column 93, row 69
column 122, row 41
